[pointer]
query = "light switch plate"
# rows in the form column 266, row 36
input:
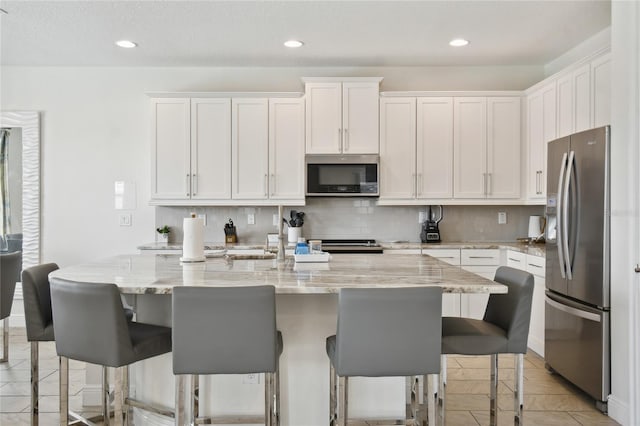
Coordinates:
column 251, row 219
column 203, row 216
column 124, row 219
column 422, row 216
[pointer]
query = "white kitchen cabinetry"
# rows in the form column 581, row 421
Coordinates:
column 601, row 90
column 191, row 141
column 541, row 128
column 574, row 101
column 416, row 148
column 486, row 147
column 170, row 145
column 483, row 262
column 286, row 149
column 397, row 148
column 342, row 116
column 249, row 148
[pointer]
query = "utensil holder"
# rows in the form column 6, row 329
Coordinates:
column 293, row 234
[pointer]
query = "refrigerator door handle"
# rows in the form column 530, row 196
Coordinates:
column 573, row 311
column 565, row 215
column 559, row 225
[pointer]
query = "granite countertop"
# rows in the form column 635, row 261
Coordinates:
column 533, row 249
column 158, row 274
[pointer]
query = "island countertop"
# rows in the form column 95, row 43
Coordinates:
column 158, row 274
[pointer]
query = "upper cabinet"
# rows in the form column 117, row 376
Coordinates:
column 416, row 148
column 601, row 90
column 342, row 115
column 541, row 128
column 227, row 151
column 486, row 147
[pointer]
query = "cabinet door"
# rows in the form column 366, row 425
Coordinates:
column 601, row 91
column 249, row 148
column 469, row 147
column 474, row 305
column 397, row 148
column 211, row 148
column 565, row 105
column 286, row 149
column 503, row 147
column 170, row 146
column 434, row 146
column 535, row 144
column 323, row 118
column 582, row 98
column 360, row 118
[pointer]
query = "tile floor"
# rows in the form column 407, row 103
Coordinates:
column 549, row 400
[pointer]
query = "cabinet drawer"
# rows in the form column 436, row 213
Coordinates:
column 480, row 256
column 450, row 256
column 536, row 265
column 401, row 251
column 517, row 260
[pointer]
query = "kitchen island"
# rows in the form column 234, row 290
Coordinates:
column 306, row 315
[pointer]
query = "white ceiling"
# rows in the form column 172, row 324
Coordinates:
column 336, row 33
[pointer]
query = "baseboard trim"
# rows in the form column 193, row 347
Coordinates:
column 618, row 410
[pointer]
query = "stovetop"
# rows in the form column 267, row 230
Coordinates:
column 351, row 246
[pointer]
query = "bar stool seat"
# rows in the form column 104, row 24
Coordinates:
column 386, row 333
column 90, row 325
column 225, row 330
column 10, row 266
column 504, row 329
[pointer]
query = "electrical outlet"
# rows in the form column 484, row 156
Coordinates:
column 502, row 218
column 203, row 216
column 276, row 220
column 251, row 379
column 124, row 219
column 422, row 216
column 251, row 219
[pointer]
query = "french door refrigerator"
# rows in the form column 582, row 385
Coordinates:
column 577, row 261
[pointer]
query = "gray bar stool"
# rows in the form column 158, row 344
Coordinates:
column 386, row 332
column 503, row 330
column 10, row 266
column 91, row 325
column 39, row 321
column 225, row 330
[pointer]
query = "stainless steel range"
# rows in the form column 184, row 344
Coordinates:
column 351, row 246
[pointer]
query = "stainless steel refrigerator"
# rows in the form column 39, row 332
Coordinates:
column 577, row 314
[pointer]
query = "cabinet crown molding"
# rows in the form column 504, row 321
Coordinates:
column 428, row 93
column 342, row 79
column 224, row 94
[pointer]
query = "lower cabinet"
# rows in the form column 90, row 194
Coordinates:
column 450, row 301
column 483, row 262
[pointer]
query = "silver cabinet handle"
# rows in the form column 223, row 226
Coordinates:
column 413, row 177
column 541, row 182
column 637, row 268
column 340, row 138
column 481, row 257
column 514, row 260
column 559, row 225
column 188, row 182
column 194, row 186
column 266, row 184
column 489, row 182
column 419, row 185
column 535, row 266
column 565, row 215
column 484, row 183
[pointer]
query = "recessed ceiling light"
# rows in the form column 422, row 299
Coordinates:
column 126, row 44
column 458, row 42
column 293, row 43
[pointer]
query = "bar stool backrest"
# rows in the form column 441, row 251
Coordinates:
column 10, row 266
column 224, row 330
column 90, row 323
column 512, row 311
column 389, row 332
column 36, row 294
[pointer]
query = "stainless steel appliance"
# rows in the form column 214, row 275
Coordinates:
column 342, row 175
column 351, row 246
column 577, row 311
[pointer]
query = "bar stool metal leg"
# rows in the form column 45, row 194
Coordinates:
column 64, row 390
column 268, row 401
column 332, row 395
column 276, row 394
column 34, row 383
column 5, row 340
column 343, row 409
column 493, row 408
column 518, row 394
column 105, row 396
column 118, row 397
column 443, row 388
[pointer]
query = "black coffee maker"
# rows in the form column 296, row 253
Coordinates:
column 430, row 232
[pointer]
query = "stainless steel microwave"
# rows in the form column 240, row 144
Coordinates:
column 347, row 175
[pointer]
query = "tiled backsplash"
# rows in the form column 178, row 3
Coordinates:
column 357, row 218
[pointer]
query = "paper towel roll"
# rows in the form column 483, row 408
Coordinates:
column 193, row 241
column 535, row 223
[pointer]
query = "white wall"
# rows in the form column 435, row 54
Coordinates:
column 624, row 402
column 95, row 131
